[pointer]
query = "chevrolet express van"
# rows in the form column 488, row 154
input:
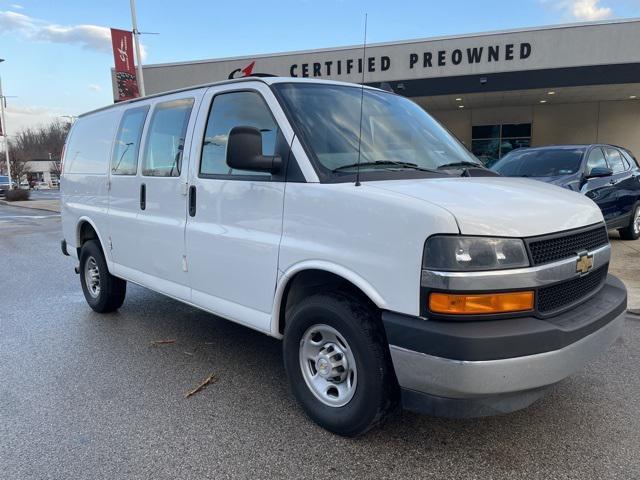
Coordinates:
column 350, row 224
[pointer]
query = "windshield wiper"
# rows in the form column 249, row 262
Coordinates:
column 389, row 163
column 460, row 164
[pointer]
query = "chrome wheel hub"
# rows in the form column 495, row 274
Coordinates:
column 636, row 221
column 328, row 365
column 92, row 277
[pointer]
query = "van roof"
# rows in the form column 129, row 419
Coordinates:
column 265, row 80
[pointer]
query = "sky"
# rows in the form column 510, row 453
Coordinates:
column 58, row 53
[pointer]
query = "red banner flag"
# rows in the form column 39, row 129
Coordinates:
column 126, row 80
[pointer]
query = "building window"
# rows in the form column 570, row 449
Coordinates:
column 491, row 142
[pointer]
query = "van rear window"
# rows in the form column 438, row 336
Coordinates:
column 89, row 146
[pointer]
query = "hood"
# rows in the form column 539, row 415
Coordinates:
column 501, row 206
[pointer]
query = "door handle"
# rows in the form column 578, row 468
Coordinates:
column 143, row 196
column 613, row 182
column 192, row 201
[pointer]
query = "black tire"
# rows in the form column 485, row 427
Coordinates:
column 112, row 290
column 632, row 231
column 376, row 391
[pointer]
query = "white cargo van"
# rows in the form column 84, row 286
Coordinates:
column 349, row 223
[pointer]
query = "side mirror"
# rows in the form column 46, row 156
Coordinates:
column 597, row 172
column 244, row 151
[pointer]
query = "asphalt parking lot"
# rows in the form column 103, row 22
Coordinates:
column 89, row 396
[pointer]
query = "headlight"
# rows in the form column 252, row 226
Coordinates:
column 459, row 253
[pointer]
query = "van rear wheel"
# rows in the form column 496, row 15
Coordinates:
column 338, row 363
column 104, row 292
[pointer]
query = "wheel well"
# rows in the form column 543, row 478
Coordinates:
column 86, row 232
column 309, row 282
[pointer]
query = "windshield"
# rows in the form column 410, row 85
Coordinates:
column 4, row 179
column 396, row 133
column 540, row 163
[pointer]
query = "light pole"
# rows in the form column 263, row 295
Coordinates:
column 4, row 132
column 136, row 42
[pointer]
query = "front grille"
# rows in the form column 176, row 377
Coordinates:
column 555, row 297
column 557, row 247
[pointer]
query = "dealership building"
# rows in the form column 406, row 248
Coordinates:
column 576, row 83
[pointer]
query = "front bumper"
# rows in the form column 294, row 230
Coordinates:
column 502, row 358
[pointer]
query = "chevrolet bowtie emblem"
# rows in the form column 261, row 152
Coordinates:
column 584, row 263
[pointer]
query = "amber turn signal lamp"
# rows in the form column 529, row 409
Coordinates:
column 480, row 304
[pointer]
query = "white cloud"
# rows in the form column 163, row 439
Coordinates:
column 143, row 52
column 17, row 6
column 583, row 10
column 590, row 10
column 29, row 110
column 23, row 116
column 94, row 87
column 90, row 37
column 13, row 21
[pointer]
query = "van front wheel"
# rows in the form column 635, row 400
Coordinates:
column 103, row 292
column 337, row 363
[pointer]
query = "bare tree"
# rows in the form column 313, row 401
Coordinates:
column 37, row 143
column 19, row 166
column 55, row 167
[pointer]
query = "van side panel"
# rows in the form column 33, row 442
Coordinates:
column 84, row 187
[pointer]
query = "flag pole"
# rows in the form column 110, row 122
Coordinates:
column 4, row 135
column 136, row 42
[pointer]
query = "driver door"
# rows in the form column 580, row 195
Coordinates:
column 599, row 189
column 234, row 224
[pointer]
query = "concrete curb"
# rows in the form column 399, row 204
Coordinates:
column 40, row 208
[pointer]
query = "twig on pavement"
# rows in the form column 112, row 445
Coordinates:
column 207, row 381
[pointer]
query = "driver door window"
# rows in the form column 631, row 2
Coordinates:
column 230, row 110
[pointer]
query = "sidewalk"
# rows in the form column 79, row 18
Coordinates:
column 48, row 205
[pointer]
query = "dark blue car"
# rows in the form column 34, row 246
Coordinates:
column 608, row 175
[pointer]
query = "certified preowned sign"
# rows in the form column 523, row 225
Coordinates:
column 410, row 60
column 413, row 60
